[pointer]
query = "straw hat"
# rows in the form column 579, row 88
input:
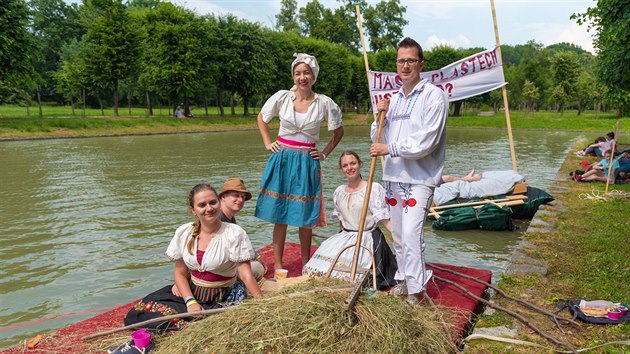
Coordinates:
column 235, row 184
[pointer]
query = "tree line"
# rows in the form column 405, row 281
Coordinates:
column 148, row 52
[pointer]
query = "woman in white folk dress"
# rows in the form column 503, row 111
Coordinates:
column 348, row 204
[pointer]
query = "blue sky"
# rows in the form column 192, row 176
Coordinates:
column 459, row 23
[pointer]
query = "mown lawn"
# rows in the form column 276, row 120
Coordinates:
column 586, row 257
column 60, row 122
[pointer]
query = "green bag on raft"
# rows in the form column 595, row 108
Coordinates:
column 488, row 217
column 535, row 197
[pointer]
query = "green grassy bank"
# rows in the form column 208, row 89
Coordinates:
column 586, row 256
column 60, row 122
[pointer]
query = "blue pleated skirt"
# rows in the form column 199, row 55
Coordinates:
column 291, row 189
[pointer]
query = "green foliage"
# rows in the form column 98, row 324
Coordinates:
column 384, row 24
column 286, row 19
column 610, row 23
column 441, row 56
column 610, row 20
column 565, row 72
column 112, row 44
column 531, row 93
column 15, row 43
column 174, row 51
column 54, row 24
column 243, row 56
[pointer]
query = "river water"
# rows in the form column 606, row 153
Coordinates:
column 84, row 223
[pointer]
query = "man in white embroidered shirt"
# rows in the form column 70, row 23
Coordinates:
column 413, row 142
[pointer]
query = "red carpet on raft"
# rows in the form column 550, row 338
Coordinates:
column 69, row 339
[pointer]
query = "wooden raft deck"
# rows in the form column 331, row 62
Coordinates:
column 69, row 339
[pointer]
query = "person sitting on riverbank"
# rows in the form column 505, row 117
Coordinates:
column 600, row 147
column 348, row 204
column 600, row 171
column 208, row 255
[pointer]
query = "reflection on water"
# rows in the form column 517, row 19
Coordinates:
column 85, row 222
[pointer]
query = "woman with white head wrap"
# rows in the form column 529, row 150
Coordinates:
column 291, row 187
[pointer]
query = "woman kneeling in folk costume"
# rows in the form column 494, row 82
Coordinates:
column 208, row 255
column 348, row 205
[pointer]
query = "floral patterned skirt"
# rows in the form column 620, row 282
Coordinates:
column 162, row 303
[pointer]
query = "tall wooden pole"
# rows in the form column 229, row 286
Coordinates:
column 503, row 89
column 368, row 190
column 612, row 157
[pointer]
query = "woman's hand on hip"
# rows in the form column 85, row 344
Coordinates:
column 273, row 147
column 317, row 155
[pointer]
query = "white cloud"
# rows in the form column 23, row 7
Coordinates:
column 548, row 34
column 440, row 10
column 460, row 41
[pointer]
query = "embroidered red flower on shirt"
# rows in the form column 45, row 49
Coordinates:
column 411, row 202
column 391, row 201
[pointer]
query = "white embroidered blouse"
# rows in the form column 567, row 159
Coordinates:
column 227, row 248
column 348, row 207
column 322, row 108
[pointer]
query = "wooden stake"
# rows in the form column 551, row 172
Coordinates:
column 612, row 156
column 368, row 190
column 504, row 90
column 485, row 201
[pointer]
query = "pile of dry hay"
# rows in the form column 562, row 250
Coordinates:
column 315, row 322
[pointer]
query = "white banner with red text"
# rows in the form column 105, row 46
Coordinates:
column 471, row 76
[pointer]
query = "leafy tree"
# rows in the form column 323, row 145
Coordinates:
column 611, row 27
column 243, row 56
column 384, row 23
column 71, row 79
column 54, row 23
column 560, row 97
column 338, row 26
column 15, row 43
column 143, row 4
column 609, row 20
column 173, row 59
column 585, row 90
column 565, row 71
column 287, row 19
column 310, row 16
column 112, row 45
column 531, row 93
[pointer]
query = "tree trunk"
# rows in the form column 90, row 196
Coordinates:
column 100, row 103
column 220, row 102
column 116, row 98
column 129, row 102
column 232, row 104
column 83, row 103
column 27, row 103
column 39, row 102
column 245, row 106
column 72, row 105
column 147, row 99
column 457, row 106
column 186, row 105
column 205, row 103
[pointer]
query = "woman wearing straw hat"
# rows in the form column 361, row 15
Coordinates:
column 291, row 188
